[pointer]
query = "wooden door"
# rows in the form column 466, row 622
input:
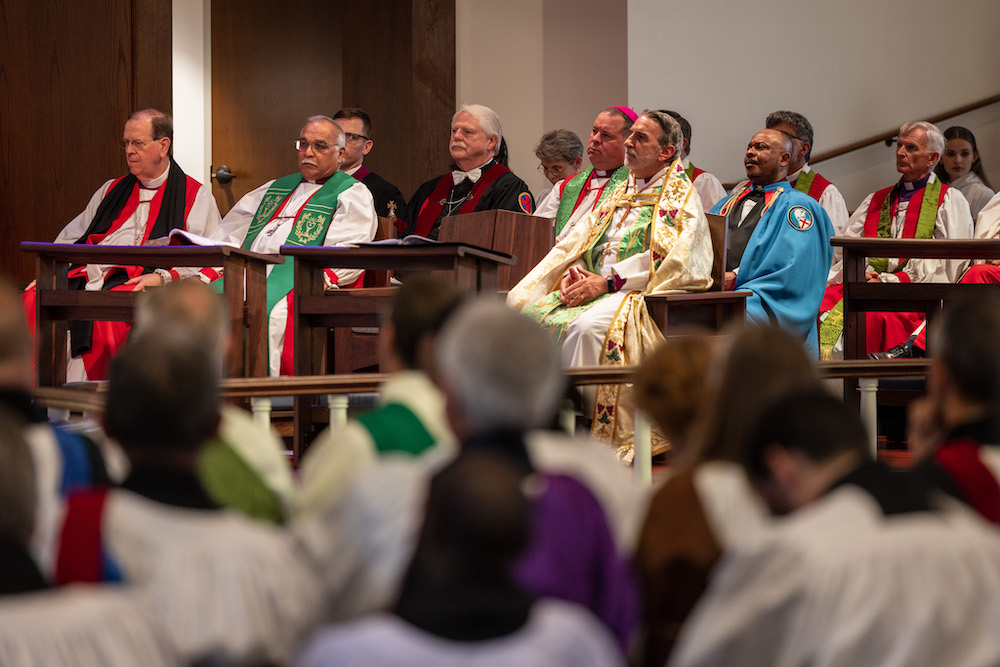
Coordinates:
column 274, row 64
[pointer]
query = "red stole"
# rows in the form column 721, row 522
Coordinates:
column 361, row 173
column 818, row 185
column 585, row 190
column 433, row 205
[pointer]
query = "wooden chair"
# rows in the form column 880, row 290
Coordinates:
column 712, row 309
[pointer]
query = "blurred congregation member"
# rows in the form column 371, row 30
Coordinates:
column 707, row 506
column 649, row 236
column 955, row 429
column 709, row 187
column 145, row 204
column 63, row 460
column 960, row 167
column 459, row 604
column 358, row 142
column 501, row 378
column 918, row 206
column 479, row 182
column 410, row 418
column 865, row 569
column 43, row 627
column 574, row 197
column 319, row 205
column 243, row 466
column 803, row 177
column 225, row 588
column 560, row 153
column 779, row 241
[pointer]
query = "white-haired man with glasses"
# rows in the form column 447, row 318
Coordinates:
column 358, row 142
column 320, row 205
column 478, row 182
column 155, row 197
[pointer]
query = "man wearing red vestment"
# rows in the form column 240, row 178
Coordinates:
column 155, row 197
column 918, row 206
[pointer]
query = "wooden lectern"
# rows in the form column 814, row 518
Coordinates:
column 527, row 237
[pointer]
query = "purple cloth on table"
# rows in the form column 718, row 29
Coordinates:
column 572, row 556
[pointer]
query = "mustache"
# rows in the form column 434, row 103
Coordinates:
column 308, row 160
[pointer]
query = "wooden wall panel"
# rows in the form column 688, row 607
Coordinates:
column 273, row 65
column 69, row 76
column 401, row 69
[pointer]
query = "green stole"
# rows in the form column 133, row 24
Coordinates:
column 805, row 181
column 310, row 227
column 574, row 187
column 395, row 428
column 920, row 226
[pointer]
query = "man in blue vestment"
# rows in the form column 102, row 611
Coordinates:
column 779, row 241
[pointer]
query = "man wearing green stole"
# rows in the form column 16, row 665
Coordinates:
column 574, row 197
column 649, row 235
column 918, row 206
column 317, row 206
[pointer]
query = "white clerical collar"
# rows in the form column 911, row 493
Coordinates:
column 158, row 181
column 601, row 173
column 473, row 174
column 350, row 172
column 642, row 183
column 791, row 178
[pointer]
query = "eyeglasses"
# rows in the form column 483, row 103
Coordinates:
column 555, row 170
column 350, row 136
column 302, row 146
column 139, row 145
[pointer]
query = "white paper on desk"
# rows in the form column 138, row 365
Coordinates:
column 412, row 239
column 179, row 236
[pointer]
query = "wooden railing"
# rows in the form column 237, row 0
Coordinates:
column 887, row 136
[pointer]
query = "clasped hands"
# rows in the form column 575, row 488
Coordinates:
column 579, row 287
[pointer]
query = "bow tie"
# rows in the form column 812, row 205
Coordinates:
column 473, row 175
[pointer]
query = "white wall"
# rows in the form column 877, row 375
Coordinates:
column 855, row 68
column 192, row 82
column 499, row 64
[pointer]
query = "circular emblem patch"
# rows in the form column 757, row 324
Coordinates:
column 800, row 218
column 524, row 201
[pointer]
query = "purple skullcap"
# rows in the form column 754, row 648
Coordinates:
column 632, row 115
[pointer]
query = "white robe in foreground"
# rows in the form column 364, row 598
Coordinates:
column 220, row 584
column 840, row 583
column 81, row 626
column 557, row 634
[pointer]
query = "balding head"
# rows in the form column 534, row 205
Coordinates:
column 767, row 157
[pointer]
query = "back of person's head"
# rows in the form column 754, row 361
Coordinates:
column 500, row 370
column 760, row 364
column 477, row 515
column 420, row 309
column 188, row 305
column 813, row 424
column 163, row 394
column 670, row 386
column 964, row 340
column 15, row 340
column 17, row 481
column 685, row 126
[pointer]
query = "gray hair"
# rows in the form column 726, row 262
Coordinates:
column 501, row 367
column 803, row 128
column 670, row 130
column 188, row 305
column 559, row 145
column 162, row 124
column 18, row 494
column 933, row 138
column 487, row 119
column 340, row 141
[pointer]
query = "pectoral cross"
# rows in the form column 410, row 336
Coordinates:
column 392, row 209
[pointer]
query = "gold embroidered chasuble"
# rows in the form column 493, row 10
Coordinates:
column 671, row 226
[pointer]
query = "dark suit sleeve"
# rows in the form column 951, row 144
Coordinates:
column 384, row 192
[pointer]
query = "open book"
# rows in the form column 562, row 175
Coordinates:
column 412, row 239
column 179, row 236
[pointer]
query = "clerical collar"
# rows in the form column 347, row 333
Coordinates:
column 158, row 181
column 353, row 170
column 318, row 181
column 602, row 173
column 915, row 185
column 791, row 178
column 641, row 183
column 473, row 175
